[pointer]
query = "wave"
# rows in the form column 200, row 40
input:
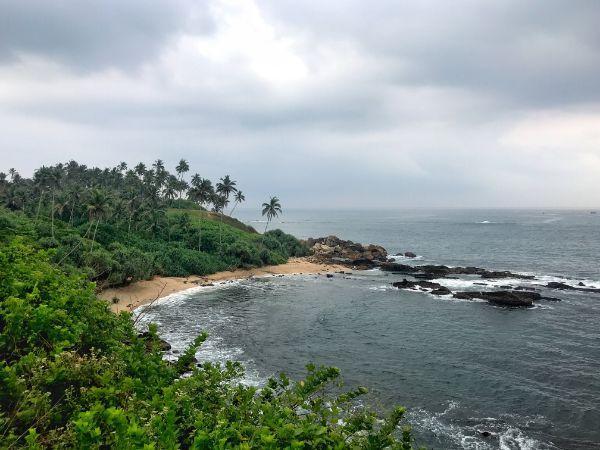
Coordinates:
column 474, row 433
column 406, row 258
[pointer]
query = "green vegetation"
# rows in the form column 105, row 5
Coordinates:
column 75, row 375
column 121, row 225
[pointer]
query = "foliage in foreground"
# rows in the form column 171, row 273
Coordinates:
column 74, row 375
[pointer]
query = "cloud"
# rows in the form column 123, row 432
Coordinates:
column 384, row 104
column 89, row 35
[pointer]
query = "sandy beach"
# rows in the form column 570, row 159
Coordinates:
column 146, row 291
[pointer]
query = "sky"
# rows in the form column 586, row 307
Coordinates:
column 327, row 104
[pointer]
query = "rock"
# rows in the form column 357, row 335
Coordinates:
column 398, row 268
column 485, row 433
column 503, row 298
column 566, row 287
column 329, row 275
column 410, row 255
column 405, row 284
column 443, row 290
column 332, row 249
column 581, row 283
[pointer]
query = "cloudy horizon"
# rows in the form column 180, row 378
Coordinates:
column 326, row 104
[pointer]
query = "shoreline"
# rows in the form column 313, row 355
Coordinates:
column 144, row 292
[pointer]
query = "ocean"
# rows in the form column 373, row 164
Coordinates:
column 528, row 377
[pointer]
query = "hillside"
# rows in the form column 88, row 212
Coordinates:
column 124, row 224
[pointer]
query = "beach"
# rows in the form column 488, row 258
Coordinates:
column 146, row 291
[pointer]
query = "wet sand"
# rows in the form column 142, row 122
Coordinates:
column 129, row 297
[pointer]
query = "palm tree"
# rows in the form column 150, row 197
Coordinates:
column 202, row 191
column 196, row 180
column 226, row 186
column 271, row 210
column 54, row 178
column 219, row 202
column 238, row 198
column 182, row 167
column 171, row 188
column 60, row 204
column 97, row 207
column 140, row 169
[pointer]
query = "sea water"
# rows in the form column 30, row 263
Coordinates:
column 529, row 377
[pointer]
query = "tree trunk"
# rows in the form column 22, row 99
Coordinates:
column 262, row 239
column 52, row 214
column 94, row 237
column 39, row 206
column 233, row 209
column 220, row 241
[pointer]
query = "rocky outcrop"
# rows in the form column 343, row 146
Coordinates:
column 433, row 271
column 511, row 298
column 503, row 298
column 405, row 284
column 566, row 287
column 332, row 249
column 409, row 255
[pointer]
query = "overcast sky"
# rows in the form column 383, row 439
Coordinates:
column 324, row 103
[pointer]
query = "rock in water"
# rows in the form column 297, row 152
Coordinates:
column 443, row 290
column 410, row 255
column 565, row 287
column 503, row 298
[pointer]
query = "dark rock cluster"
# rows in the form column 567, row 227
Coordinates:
column 334, row 250
column 439, row 271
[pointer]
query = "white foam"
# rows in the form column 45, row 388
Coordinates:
column 513, row 439
column 406, row 258
column 177, row 297
column 468, row 436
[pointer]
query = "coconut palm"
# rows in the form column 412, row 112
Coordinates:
column 171, row 187
column 202, row 191
column 238, row 198
column 271, row 210
column 54, row 179
column 182, row 167
column 196, row 179
column 226, row 186
column 140, row 169
column 219, row 202
column 98, row 207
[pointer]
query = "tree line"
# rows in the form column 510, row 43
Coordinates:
column 122, row 224
column 136, row 196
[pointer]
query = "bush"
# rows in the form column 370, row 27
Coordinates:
column 286, row 244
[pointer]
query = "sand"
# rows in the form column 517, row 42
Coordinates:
column 144, row 292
